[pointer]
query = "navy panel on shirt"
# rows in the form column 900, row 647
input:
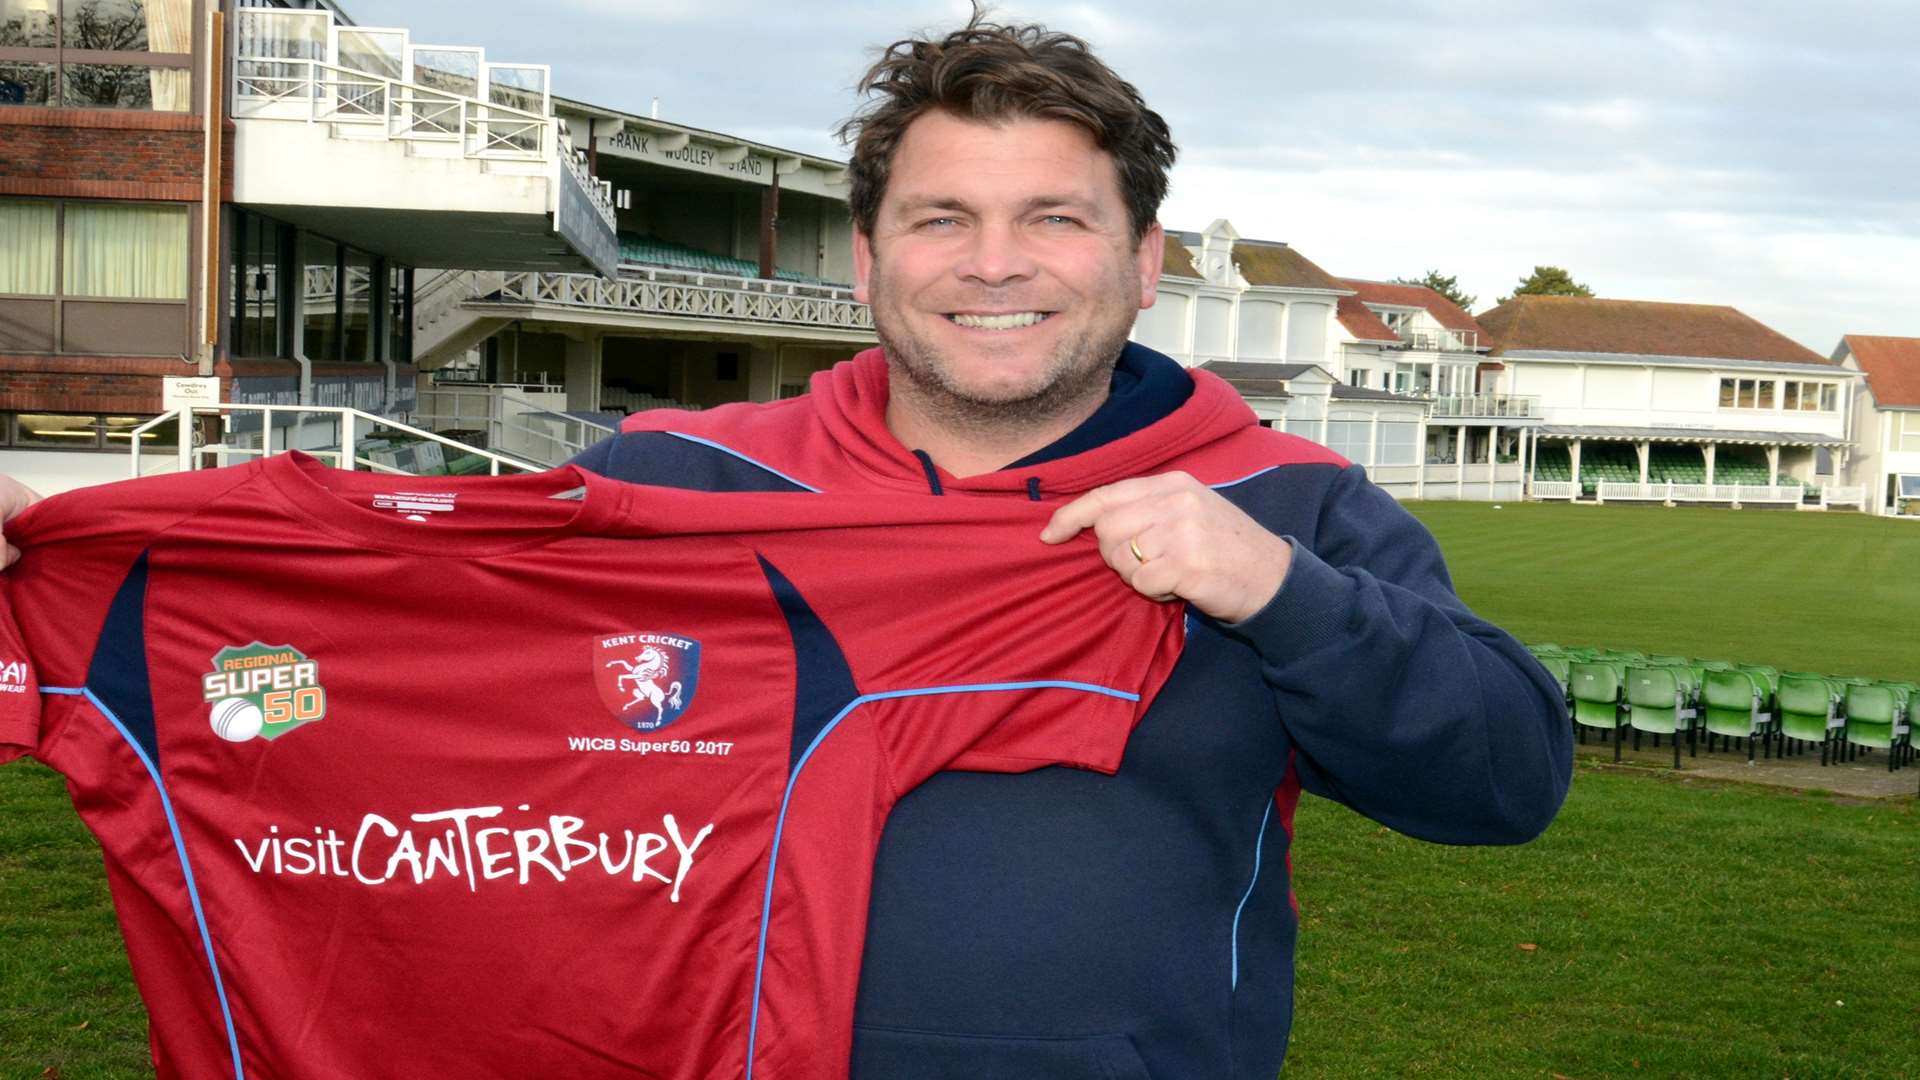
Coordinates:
column 117, row 674
column 823, row 682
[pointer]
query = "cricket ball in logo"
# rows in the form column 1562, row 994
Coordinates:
column 646, row 679
column 262, row 690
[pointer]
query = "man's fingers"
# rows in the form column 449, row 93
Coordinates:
column 14, row 497
column 1095, row 505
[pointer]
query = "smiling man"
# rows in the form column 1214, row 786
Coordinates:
column 1055, row 924
column 1058, row 924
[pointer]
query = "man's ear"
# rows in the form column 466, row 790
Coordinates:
column 862, row 264
column 1148, row 259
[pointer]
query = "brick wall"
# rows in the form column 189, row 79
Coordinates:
column 106, row 154
column 128, row 385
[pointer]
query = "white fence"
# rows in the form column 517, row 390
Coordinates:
column 534, row 430
column 1732, row 494
column 345, row 438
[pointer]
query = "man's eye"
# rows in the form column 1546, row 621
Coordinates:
column 1060, row 219
column 937, row 223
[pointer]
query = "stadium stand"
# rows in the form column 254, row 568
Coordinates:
column 650, row 251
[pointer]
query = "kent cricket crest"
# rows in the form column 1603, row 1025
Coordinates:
column 262, row 690
column 646, row 680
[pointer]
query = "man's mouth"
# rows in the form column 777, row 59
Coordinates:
column 1013, row 320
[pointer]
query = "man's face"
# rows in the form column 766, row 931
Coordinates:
column 1001, row 269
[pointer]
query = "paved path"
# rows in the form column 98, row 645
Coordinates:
column 1866, row 777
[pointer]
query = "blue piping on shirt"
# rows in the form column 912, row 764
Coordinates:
column 730, row 450
column 780, row 824
column 1257, row 843
column 180, row 847
column 1224, row 484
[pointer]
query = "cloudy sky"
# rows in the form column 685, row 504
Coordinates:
column 1759, row 153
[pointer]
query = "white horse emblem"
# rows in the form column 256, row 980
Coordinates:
column 645, row 671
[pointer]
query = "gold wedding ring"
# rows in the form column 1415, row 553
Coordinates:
column 1133, row 545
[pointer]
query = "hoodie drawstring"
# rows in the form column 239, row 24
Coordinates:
column 933, row 478
column 1033, row 488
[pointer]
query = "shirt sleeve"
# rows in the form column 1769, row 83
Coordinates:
column 19, row 690
column 1405, row 705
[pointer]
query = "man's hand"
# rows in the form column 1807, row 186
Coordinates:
column 1172, row 536
column 14, row 497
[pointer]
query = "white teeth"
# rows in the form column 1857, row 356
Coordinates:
column 998, row 322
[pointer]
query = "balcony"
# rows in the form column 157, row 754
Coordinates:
column 1487, row 406
column 1438, row 340
column 432, row 155
column 667, row 299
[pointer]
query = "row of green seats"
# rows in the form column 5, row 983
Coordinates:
column 1614, row 690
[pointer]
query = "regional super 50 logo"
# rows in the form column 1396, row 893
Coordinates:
column 263, row 690
column 647, row 680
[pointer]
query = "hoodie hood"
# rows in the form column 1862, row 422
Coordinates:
column 835, row 438
column 850, row 404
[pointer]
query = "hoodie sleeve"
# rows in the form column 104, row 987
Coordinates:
column 1402, row 703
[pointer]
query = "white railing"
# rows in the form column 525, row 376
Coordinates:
column 1670, row 491
column 273, row 87
column 1845, row 496
column 700, row 296
column 1439, row 340
column 285, row 88
column 344, row 437
column 509, row 421
column 1706, row 492
column 1493, row 405
column 1614, row 489
column 1555, row 489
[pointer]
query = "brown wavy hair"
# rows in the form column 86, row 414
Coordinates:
column 988, row 72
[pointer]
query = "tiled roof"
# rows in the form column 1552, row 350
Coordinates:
column 1637, row 327
column 1255, row 379
column 1178, row 261
column 1892, row 365
column 1362, row 323
column 1446, row 312
column 1263, row 263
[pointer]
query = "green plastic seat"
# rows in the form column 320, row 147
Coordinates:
column 1596, row 688
column 1877, row 720
column 1734, row 705
column 1660, row 702
column 1807, row 710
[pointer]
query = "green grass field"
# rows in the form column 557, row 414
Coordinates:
column 1680, row 928
column 1836, row 593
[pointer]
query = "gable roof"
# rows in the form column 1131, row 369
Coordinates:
column 1444, row 311
column 1177, row 261
column 1892, row 365
column 1263, row 262
column 1362, row 323
column 1581, row 324
column 1260, row 378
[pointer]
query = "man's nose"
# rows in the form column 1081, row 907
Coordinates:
column 997, row 254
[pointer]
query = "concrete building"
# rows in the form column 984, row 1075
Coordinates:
column 1885, row 420
column 241, row 196
column 1361, row 366
column 1635, row 396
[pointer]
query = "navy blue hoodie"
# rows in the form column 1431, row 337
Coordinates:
column 1064, row 925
